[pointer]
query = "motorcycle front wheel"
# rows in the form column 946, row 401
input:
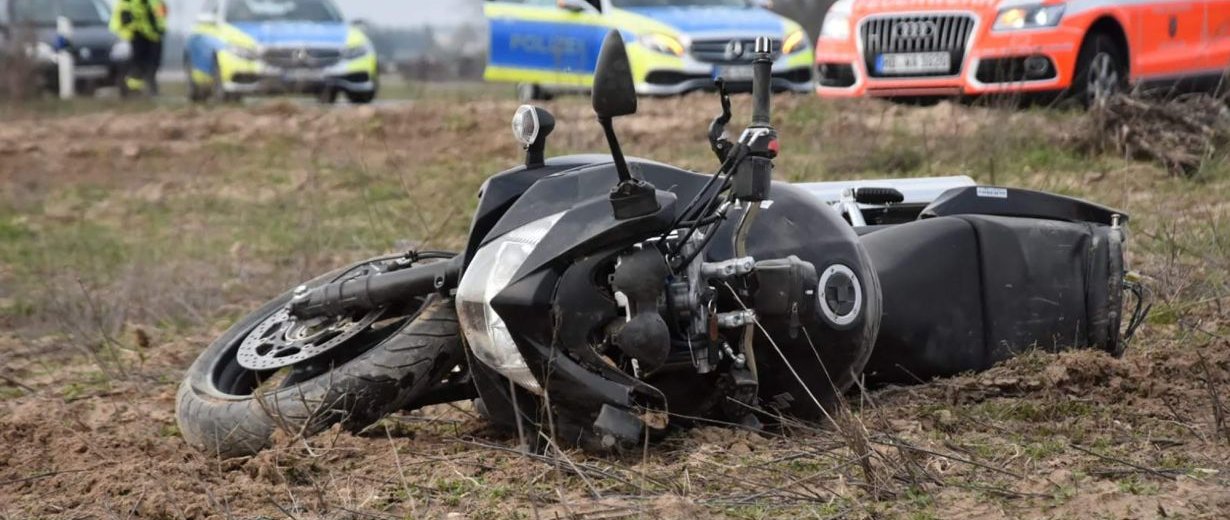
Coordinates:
column 359, row 369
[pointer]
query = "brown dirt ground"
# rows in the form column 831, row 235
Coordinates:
column 1071, row 435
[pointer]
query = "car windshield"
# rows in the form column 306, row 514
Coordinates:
column 678, row 3
column 315, row 11
column 43, row 13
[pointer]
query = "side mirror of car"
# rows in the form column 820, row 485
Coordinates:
column 614, row 92
column 575, row 6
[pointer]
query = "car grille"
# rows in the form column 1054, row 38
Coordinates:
column 292, row 58
column 97, row 55
column 916, row 33
column 724, row 52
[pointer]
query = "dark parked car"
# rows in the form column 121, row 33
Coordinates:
column 100, row 56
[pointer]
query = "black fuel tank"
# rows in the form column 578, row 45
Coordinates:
column 834, row 344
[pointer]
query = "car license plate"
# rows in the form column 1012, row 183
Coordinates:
column 91, row 72
column 733, row 73
column 302, row 75
column 914, row 63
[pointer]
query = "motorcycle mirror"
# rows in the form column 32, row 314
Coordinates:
column 614, row 92
column 531, row 126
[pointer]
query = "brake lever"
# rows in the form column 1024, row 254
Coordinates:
column 718, row 141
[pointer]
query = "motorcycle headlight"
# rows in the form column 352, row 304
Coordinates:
column 837, row 21
column 663, row 43
column 1028, row 17
column 489, row 272
column 794, row 42
column 356, row 52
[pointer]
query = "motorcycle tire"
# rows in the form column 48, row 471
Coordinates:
column 222, row 410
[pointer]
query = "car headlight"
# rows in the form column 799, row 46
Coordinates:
column 490, row 272
column 794, row 42
column 663, row 43
column 837, row 21
column 245, row 53
column 1028, row 17
column 356, row 52
column 121, row 52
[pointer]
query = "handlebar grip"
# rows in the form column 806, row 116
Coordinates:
column 762, row 76
column 872, row 195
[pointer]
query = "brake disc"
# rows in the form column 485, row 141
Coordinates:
column 281, row 340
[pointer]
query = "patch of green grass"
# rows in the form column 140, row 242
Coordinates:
column 454, row 491
column 919, row 504
column 87, row 385
column 1032, row 411
column 169, row 430
column 17, row 309
column 1045, row 449
column 1162, row 314
column 13, row 229
column 1063, row 493
column 9, row 392
column 836, row 508
column 84, row 248
column 1138, row 486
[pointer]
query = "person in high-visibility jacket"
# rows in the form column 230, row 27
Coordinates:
column 141, row 23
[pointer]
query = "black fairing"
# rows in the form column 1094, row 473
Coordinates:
column 794, row 223
column 501, row 190
column 964, row 292
column 540, row 311
column 1017, row 202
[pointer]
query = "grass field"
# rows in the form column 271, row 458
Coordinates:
column 131, row 235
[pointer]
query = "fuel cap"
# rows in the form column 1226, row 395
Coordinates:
column 840, row 296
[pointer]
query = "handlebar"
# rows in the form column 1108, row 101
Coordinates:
column 747, row 166
column 762, row 77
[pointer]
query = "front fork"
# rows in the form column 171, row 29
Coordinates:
column 374, row 291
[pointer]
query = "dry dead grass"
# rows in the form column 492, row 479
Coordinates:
column 122, row 254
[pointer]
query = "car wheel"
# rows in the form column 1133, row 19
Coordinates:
column 328, row 96
column 196, row 94
column 363, row 98
column 1101, row 70
column 218, row 89
column 527, row 92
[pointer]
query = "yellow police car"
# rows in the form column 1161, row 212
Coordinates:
column 676, row 46
column 253, row 47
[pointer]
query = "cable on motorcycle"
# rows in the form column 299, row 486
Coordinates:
column 1138, row 289
column 705, row 210
column 726, row 168
column 683, row 263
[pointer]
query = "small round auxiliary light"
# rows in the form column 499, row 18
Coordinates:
column 525, row 125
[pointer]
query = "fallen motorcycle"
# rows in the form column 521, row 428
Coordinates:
column 601, row 300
